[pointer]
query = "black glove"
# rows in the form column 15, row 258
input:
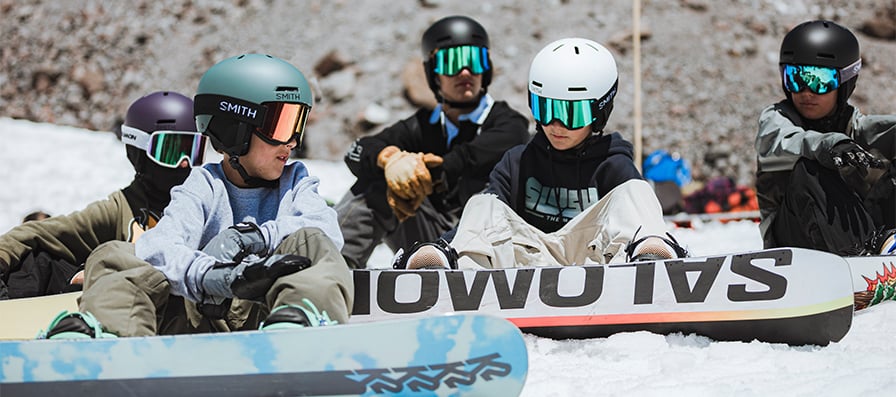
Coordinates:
column 850, row 154
column 237, row 242
column 249, row 280
column 4, row 292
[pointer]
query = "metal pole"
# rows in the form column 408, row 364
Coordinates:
column 636, row 53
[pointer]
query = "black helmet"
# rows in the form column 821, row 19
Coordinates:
column 448, row 32
column 822, row 43
column 163, row 110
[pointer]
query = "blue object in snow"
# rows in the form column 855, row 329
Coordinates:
column 661, row 166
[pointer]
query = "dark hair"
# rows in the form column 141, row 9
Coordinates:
column 35, row 216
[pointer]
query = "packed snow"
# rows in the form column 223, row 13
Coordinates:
column 61, row 169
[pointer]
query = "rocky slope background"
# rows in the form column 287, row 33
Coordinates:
column 707, row 67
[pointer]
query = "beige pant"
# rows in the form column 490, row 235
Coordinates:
column 492, row 235
column 130, row 297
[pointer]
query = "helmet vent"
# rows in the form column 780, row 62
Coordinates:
column 577, row 49
column 537, row 84
column 577, row 89
column 166, row 121
column 278, row 89
column 827, row 56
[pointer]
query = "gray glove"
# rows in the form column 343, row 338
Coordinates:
column 237, row 242
column 249, row 280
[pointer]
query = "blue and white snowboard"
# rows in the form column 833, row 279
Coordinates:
column 467, row 354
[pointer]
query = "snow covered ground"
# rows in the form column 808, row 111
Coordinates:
column 61, row 169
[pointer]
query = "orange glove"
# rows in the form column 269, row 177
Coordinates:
column 403, row 208
column 406, row 173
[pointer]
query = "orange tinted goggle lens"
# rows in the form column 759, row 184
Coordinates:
column 284, row 121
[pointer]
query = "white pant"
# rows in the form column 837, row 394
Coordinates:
column 491, row 235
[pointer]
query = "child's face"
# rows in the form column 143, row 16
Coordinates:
column 562, row 138
column 264, row 160
column 813, row 106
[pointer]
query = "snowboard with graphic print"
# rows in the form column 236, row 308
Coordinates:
column 457, row 355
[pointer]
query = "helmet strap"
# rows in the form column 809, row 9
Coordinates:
column 251, row 181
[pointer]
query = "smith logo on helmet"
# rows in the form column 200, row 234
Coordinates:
column 288, row 96
column 241, row 110
column 607, row 98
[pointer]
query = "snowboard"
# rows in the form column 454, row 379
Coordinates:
column 460, row 354
column 873, row 279
column 33, row 314
column 787, row 295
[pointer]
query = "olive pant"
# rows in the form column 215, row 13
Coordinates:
column 130, row 297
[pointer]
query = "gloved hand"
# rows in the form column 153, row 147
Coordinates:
column 406, row 172
column 235, row 243
column 403, row 208
column 850, row 154
column 250, row 280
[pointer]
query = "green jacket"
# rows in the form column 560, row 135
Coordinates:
column 71, row 237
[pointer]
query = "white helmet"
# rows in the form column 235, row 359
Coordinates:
column 573, row 69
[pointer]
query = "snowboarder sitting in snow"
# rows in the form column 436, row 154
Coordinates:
column 572, row 195
column 45, row 257
column 825, row 177
column 247, row 242
column 415, row 176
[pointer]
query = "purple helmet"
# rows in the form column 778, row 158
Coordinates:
column 162, row 110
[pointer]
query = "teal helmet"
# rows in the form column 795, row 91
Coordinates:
column 252, row 93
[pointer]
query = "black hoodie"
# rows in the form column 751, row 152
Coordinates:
column 548, row 187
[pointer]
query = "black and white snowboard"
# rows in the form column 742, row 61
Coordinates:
column 786, row 295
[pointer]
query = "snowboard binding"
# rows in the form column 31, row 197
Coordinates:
column 427, row 255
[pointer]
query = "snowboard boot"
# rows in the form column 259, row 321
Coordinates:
column 296, row 316
column 654, row 248
column 74, row 326
column 433, row 256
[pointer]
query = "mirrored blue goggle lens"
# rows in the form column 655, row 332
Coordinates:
column 170, row 148
column 284, row 122
column 572, row 114
column 817, row 79
column 450, row 61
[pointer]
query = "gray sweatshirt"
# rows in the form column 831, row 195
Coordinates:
column 208, row 203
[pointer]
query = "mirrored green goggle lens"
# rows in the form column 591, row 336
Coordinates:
column 572, row 114
column 169, row 149
column 450, row 61
column 817, row 79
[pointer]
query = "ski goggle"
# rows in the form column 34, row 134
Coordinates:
column 167, row 148
column 450, row 61
column 572, row 114
column 818, row 79
column 283, row 123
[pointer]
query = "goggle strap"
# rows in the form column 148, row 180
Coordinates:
column 134, row 137
column 236, row 108
column 850, row 71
